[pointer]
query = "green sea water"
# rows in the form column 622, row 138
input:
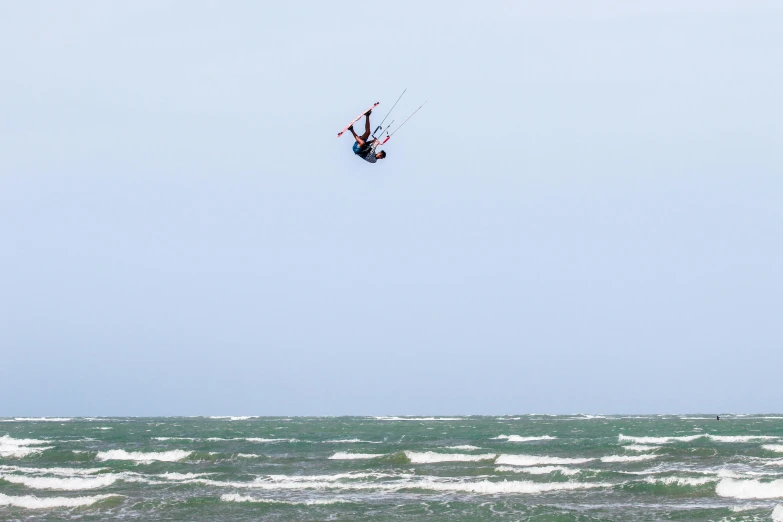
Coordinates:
column 527, row 467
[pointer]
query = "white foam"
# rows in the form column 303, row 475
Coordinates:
column 144, row 457
column 680, row 481
column 42, row 419
column 31, row 502
column 536, row 460
column 430, row 457
column 739, row 438
column 63, row 472
column 428, row 483
column 177, row 438
column 628, row 458
column 248, row 456
column 773, row 447
column 170, row 475
column 749, row 488
column 341, row 455
column 418, row 418
column 263, row 440
column 519, row 438
column 232, row 418
column 350, row 441
column 464, row 447
column 539, row 470
column 639, row 447
column 63, row 484
column 690, row 438
column 351, row 475
column 19, row 448
column 777, row 514
column 658, row 440
column 487, row 487
column 235, row 497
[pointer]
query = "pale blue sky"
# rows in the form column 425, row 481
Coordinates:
column 586, row 217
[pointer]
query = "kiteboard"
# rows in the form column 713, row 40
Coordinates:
column 359, row 117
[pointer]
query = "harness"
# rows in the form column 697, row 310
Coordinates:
column 367, row 149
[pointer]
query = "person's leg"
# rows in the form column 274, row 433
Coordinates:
column 366, row 126
column 359, row 139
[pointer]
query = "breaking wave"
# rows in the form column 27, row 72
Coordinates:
column 19, row 448
column 418, row 418
column 535, row 460
column 144, row 457
column 539, row 470
column 31, row 502
column 690, row 438
column 680, row 481
column 60, row 483
column 235, row 497
column 658, row 440
column 639, row 447
column 519, row 438
column 430, row 457
column 749, row 488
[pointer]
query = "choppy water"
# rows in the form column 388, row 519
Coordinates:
column 529, row 467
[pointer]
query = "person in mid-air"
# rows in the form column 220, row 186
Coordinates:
column 364, row 147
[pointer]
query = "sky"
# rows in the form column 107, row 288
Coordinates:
column 585, row 217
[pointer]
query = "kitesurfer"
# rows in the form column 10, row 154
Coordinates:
column 364, row 147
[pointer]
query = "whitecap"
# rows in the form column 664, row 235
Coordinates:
column 464, row 447
column 18, row 448
column 536, row 460
column 487, row 487
column 42, row 419
column 428, row 483
column 60, row 483
column 658, row 440
column 739, row 438
column 680, row 481
column 235, row 497
column 351, row 475
column 170, row 475
column 31, row 502
column 639, row 447
column 539, row 470
column 745, row 489
column 778, row 448
column 144, row 457
column 430, row 457
column 63, row 472
column 519, row 438
column 350, row 441
column 418, row 418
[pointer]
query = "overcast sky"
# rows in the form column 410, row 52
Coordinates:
column 587, row 216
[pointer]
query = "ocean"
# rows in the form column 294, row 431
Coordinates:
column 522, row 467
